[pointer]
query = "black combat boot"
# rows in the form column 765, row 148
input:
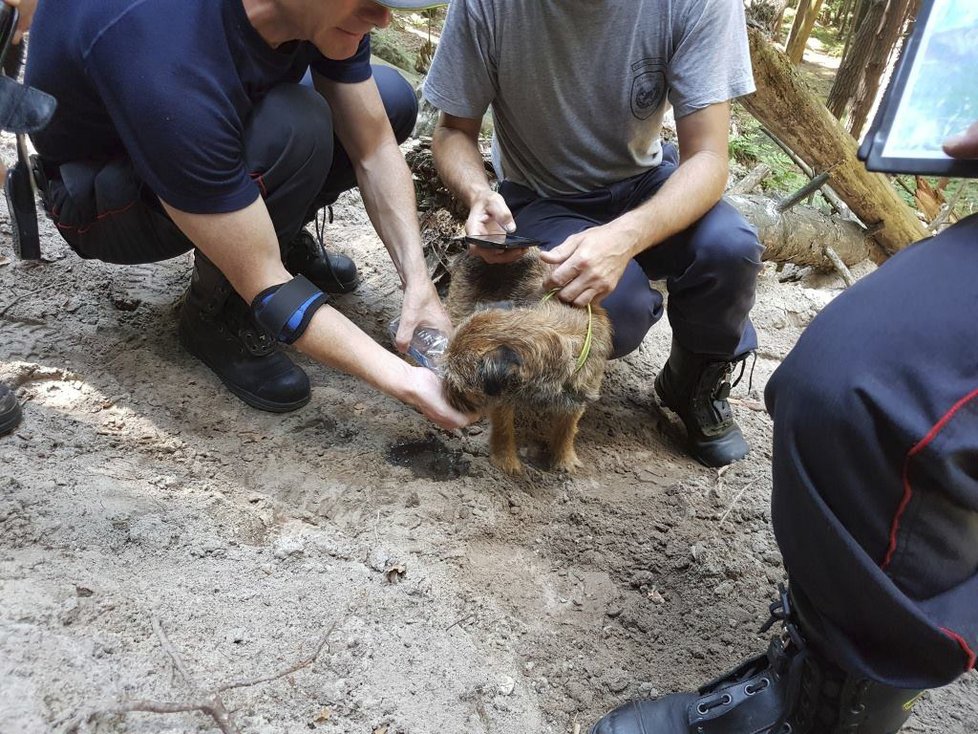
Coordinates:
column 696, row 388
column 331, row 272
column 790, row 690
column 9, row 410
column 216, row 326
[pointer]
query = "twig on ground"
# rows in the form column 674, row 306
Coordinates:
column 460, row 620
column 287, row 671
column 171, row 652
column 841, row 268
column 22, row 296
column 736, row 499
column 206, row 702
column 752, row 180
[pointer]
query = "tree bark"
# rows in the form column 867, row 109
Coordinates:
column 853, row 64
column 784, row 104
column 801, row 29
column 893, row 22
column 801, row 234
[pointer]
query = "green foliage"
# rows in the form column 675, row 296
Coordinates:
column 751, row 146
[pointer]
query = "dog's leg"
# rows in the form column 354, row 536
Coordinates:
column 502, row 441
column 562, row 441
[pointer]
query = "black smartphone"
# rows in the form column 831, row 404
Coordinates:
column 501, row 241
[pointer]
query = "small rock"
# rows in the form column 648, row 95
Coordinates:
column 286, row 546
column 379, row 560
column 506, row 685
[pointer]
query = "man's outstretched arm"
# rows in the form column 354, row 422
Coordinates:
column 243, row 245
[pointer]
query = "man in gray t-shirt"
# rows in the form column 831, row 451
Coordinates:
column 578, row 90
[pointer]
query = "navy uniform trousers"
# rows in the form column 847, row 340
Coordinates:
column 104, row 211
column 710, row 268
column 875, row 502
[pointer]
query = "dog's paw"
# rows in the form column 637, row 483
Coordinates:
column 509, row 464
column 568, row 463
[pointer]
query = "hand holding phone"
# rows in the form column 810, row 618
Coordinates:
column 501, row 241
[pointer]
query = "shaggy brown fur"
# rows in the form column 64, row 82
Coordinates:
column 513, row 352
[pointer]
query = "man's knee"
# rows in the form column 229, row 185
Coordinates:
column 399, row 99
column 291, row 127
column 725, row 243
column 633, row 308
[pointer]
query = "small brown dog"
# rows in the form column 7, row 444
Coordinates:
column 516, row 349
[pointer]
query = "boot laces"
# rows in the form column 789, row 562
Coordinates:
column 321, row 222
column 257, row 341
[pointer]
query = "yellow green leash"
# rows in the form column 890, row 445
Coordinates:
column 586, row 349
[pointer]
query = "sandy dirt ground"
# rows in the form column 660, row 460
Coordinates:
column 453, row 599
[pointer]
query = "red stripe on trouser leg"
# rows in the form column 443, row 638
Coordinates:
column 907, row 489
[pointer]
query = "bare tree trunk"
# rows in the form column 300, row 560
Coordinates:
column 801, row 234
column 784, row 105
column 775, row 28
column 853, row 64
column 893, row 22
column 801, row 29
column 797, row 22
column 850, row 25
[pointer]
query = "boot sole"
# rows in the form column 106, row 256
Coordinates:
column 249, row 398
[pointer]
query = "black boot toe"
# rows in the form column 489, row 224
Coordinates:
column 9, row 410
column 649, row 716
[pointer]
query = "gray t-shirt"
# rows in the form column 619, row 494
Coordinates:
column 578, row 88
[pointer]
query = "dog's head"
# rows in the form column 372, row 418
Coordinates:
column 501, row 354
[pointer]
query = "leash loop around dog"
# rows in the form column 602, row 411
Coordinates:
column 586, row 348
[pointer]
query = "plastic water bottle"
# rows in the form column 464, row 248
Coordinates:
column 427, row 346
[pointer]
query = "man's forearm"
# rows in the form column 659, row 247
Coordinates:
column 388, row 196
column 459, row 163
column 689, row 193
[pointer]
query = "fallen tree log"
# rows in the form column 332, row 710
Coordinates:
column 801, row 234
column 784, row 105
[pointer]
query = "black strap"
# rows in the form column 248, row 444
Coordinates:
column 285, row 310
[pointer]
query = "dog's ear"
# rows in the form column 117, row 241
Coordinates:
column 497, row 369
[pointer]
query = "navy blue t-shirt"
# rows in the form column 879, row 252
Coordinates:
column 169, row 83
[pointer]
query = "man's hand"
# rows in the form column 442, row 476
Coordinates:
column 964, row 145
column 455, row 146
column 26, row 8
column 590, row 264
column 489, row 214
column 421, row 307
column 424, row 392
